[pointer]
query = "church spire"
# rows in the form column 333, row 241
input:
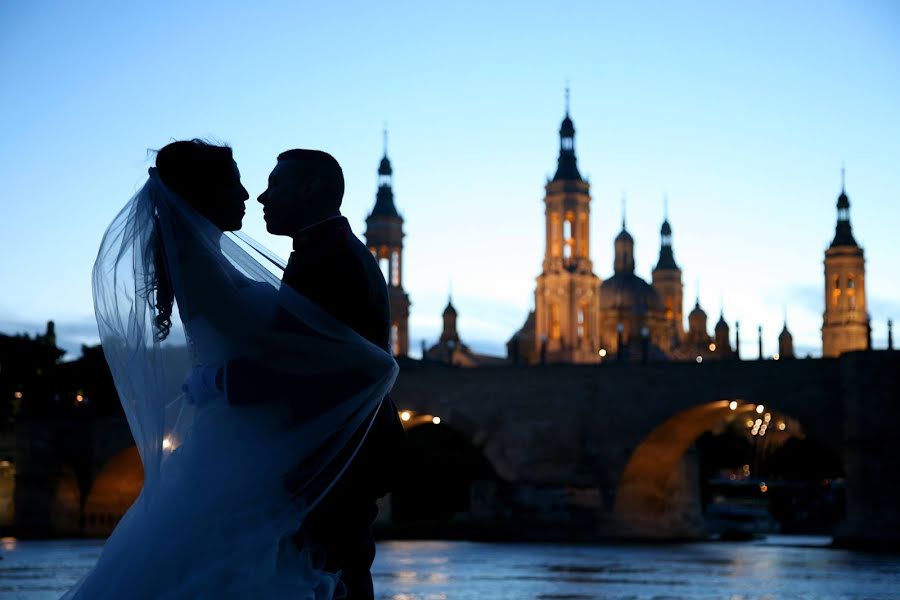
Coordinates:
column 384, row 199
column 624, row 247
column 666, row 254
column 845, row 323
column 567, row 168
column 843, row 234
column 785, row 341
column 384, row 238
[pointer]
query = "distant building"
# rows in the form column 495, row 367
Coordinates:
column 450, row 348
column 845, row 325
column 567, row 299
column 785, row 343
column 384, row 236
column 580, row 318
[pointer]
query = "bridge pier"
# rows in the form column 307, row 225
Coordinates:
column 653, row 509
column 870, row 388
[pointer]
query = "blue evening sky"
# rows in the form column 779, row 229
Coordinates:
column 742, row 112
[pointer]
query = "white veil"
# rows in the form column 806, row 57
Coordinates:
column 215, row 476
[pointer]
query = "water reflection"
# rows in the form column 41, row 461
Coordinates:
column 766, row 570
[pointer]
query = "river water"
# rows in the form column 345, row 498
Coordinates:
column 774, row 568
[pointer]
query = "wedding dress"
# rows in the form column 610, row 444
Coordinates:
column 215, row 518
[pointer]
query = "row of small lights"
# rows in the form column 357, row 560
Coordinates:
column 759, row 426
column 168, row 444
column 79, row 398
column 406, row 415
column 746, row 470
column 712, row 348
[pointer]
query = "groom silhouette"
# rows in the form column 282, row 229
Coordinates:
column 331, row 267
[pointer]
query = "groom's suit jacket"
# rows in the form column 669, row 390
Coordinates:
column 331, row 267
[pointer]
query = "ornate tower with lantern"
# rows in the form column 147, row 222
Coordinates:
column 667, row 283
column 566, row 297
column 384, row 236
column 845, row 322
column 722, row 336
column 785, row 343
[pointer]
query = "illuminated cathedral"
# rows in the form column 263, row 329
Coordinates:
column 581, row 318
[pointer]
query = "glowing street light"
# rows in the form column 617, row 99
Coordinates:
column 732, row 405
column 699, row 359
column 406, row 415
column 712, row 347
column 760, row 408
column 602, row 353
column 18, row 395
column 436, row 420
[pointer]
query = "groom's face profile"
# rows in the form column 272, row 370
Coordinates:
column 288, row 200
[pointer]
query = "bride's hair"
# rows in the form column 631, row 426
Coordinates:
column 187, row 168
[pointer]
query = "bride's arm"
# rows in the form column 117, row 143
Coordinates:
column 250, row 382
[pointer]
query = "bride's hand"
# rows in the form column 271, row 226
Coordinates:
column 202, row 384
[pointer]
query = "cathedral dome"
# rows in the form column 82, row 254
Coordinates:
column 697, row 312
column 721, row 325
column 624, row 236
column 697, row 319
column 449, row 310
column 628, row 291
column 785, row 334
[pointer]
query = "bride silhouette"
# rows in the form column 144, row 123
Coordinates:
column 172, row 292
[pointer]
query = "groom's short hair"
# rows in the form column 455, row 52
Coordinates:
column 322, row 165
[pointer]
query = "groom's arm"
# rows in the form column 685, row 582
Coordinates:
column 246, row 382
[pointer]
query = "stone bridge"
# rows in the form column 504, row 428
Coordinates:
column 605, row 445
column 614, row 437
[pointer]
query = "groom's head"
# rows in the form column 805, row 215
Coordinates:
column 305, row 187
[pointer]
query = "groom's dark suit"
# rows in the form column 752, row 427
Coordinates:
column 332, row 268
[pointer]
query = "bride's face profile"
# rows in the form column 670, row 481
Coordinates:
column 207, row 178
column 227, row 212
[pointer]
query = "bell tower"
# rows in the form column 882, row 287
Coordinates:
column 845, row 323
column 667, row 283
column 567, row 295
column 384, row 237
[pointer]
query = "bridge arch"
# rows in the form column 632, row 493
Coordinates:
column 445, row 477
column 113, row 492
column 657, row 495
